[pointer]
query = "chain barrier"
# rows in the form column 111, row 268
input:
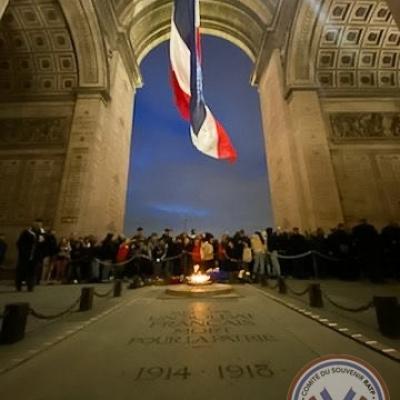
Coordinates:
column 109, row 263
column 301, row 255
column 297, row 293
column 55, row 316
column 234, row 260
column 362, row 308
column 273, row 287
column 112, row 264
column 138, row 257
column 326, row 257
column 166, row 259
column 103, row 295
column 308, row 253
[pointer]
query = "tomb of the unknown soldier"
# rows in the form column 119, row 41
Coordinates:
column 200, row 199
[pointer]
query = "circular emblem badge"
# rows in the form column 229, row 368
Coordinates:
column 338, row 377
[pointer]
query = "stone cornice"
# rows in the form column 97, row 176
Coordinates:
column 350, row 94
column 275, row 37
column 3, row 6
column 53, row 98
column 129, row 59
column 118, row 40
column 394, row 6
column 360, row 93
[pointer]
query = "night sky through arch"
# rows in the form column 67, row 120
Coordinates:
column 173, row 185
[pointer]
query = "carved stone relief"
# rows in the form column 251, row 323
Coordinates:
column 34, row 132
column 365, row 126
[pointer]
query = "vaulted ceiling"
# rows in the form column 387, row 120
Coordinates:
column 339, row 46
column 243, row 22
column 36, row 51
column 344, row 47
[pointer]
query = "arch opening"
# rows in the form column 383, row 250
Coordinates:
column 178, row 187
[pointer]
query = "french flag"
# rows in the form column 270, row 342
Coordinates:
column 208, row 134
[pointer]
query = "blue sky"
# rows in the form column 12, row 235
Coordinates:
column 173, row 185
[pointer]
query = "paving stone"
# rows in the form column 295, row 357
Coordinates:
column 154, row 347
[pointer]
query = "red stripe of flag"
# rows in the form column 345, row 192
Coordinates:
column 182, row 99
column 225, row 149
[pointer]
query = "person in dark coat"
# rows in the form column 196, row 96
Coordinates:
column 340, row 248
column 273, row 247
column 367, row 250
column 297, row 246
column 171, row 251
column 231, row 262
column 318, row 242
column 106, row 253
column 51, row 252
column 26, row 246
column 41, row 250
column 390, row 239
column 3, row 248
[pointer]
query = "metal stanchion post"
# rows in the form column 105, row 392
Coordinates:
column 264, row 280
column 315, row 295
column 14, row 322
column 117, row 288
column 136, row 283
column 86, row 302
column 388, row 315
column 282, row 285
column 315, row 265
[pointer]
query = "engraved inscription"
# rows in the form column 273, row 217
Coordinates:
column 232, row 372
column 203, row 329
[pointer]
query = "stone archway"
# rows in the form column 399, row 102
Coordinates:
column 131, row 30
column 84, row 96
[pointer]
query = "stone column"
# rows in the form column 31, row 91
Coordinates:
column 92, row 199
column 315, row 165
column 394, row 6
column 303, row 187
column 283, row 176
column 3, row 6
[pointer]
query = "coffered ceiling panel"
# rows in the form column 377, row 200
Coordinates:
column 359, row 46
column 36, row 50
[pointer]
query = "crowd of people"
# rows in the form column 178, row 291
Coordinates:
column 361, row 252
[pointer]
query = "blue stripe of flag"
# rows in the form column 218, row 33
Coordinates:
column 184, row 18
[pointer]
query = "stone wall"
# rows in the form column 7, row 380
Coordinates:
column 303, row 187
column 94, row 185
column 33, row 144
column 364, row 136
column 280, row 152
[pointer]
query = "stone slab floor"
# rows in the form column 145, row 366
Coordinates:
column 151, row 346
